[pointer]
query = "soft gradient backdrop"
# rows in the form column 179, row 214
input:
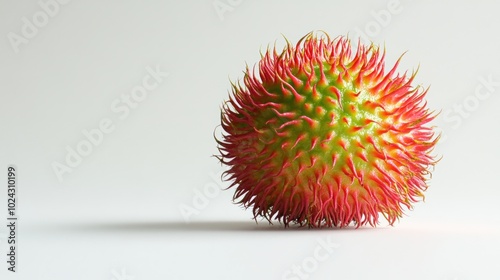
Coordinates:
column 146, row 201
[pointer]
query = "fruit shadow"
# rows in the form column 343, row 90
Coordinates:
column 194, row 226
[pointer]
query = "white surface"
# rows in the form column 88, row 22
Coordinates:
column 118, row 210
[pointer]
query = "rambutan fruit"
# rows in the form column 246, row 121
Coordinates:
column 320, row 135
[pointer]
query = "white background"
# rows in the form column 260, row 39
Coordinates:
column 117, row 215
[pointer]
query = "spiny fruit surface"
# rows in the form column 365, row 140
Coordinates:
column 323, row 136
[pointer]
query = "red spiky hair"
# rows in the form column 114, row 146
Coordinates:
column 322, row 136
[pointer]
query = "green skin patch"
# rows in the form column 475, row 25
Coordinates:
column 337, row 124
